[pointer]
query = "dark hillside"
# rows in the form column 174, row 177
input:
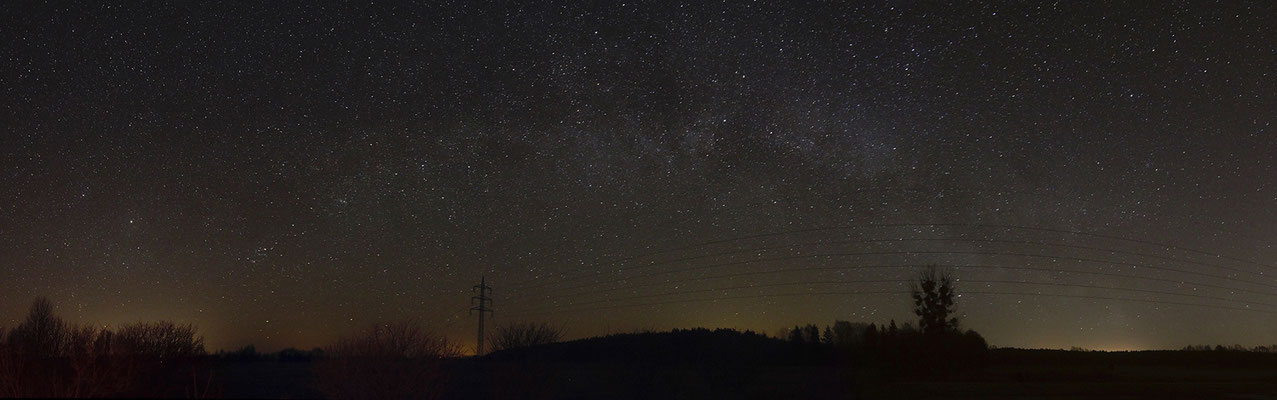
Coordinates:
column 692, row 346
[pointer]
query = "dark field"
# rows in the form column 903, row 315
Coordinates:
column 266, row 379
column 757, row 373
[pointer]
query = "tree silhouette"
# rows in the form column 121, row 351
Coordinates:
column 46, row 356
column 523, row 374
column 42, row 335
column 872, row 337
column 160, row 339
column 397, row 360
column 933, row 302
column 796, row 335
column 811, row 334
column 523, row 334
column 846, row 334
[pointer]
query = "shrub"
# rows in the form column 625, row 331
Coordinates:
column 523, row 334
column 162, row 358
column 47, row 357
column 525, row 377
column 388, row 361
column 163, row 340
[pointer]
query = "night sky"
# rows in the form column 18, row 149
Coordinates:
column 282, row 174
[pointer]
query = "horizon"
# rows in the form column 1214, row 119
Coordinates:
column 467, row 348
column 286, row 174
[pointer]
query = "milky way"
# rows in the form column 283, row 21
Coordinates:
column 1097, row 175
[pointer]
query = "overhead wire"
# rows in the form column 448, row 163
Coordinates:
column 859, row 267
column 898, row 225
column 834, row 282
column 904, row 240
column 899, row 292
column 878, row 253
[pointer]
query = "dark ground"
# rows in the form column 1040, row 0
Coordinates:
column 265, row 379
column 269, row 379
column 631, row 369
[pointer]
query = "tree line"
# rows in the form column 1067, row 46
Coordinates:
column 936, row 347
column 1233, row 348
column 44, row 356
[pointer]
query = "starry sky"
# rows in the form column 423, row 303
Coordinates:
column 1097, row 174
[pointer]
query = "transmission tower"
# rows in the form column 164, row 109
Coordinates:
column 482, row 308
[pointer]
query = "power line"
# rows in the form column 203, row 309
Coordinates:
column 539, row 310
column 543, row 310
column 1176, row 303
column 901, row 240
column 903, row 225
column 911, row 266
column 956, row 266
column 856, row 254
column 898, row 292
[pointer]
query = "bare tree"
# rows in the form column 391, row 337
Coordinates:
column 933, row 302
column 524, row 378
column 9, row 367
column 42, row 334
column 389, row 361
column 523, row 334
column 162, row 339
column 47, row 357
column 30, row 364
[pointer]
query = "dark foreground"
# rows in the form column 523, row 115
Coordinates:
column 658, row 367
